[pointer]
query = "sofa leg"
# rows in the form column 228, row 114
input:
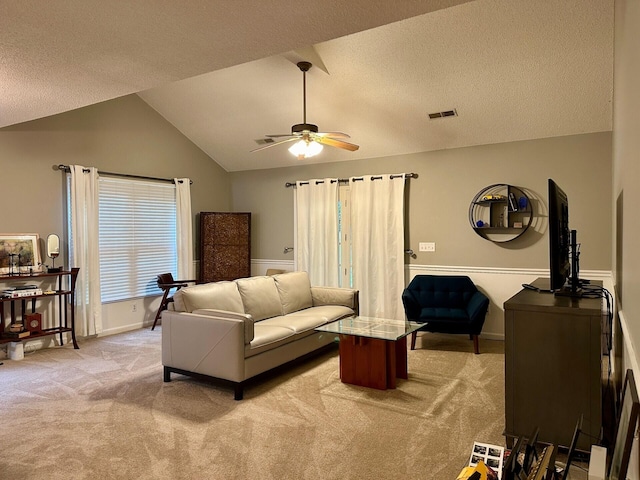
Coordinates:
column 238, row 391
column 167, row 375
column 413, row 340
column 476, row 347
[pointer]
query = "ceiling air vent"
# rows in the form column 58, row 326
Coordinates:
column 446, row 113
column 264, row 141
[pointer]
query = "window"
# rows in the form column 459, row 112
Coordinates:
column 137, row 236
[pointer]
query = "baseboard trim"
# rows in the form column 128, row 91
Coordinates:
column 631, row 355
column 124, row 328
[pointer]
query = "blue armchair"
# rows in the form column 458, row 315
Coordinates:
column 445, row 304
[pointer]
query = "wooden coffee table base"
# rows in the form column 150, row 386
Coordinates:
column 372, row 362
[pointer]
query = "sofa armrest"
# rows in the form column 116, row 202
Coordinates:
column 204, row 344
column 347, row 297
column 225, row 314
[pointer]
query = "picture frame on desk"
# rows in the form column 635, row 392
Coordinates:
column 26, row 245
column 627, row 424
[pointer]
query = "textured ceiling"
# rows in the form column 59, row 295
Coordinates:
column 60, row 55
column 513, row 70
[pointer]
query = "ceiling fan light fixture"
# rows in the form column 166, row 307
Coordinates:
column 306, row 135
column 305, row 149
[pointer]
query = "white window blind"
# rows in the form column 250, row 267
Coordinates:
column 137, row 236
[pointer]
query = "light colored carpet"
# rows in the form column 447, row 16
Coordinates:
column 104, row 412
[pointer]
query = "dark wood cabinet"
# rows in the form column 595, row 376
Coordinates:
column 225, row 246
column 553, row 366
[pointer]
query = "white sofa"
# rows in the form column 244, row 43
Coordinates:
column 236, row 330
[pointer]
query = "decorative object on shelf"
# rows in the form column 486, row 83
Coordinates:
column 16, row 328
column 493, row 198
column 500, row 212
column 53, row 251
column 15, row 331
column 33, row 322
column 19, row 253
column 522, row 203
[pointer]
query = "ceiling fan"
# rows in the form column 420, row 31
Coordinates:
column 308, row 140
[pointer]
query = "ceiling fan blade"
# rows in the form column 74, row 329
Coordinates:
column 333, row 134
column 336, row 143
column 268, row 145
column 281, row 135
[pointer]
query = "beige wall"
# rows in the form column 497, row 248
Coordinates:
column 439, row 199
column 626, row 173
column 123, row 135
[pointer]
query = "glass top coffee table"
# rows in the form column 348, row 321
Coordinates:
column 373, row 351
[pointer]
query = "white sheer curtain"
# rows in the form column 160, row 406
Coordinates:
column 86, row 248
column 377, row 238
column 316, row 230
column 184, row 229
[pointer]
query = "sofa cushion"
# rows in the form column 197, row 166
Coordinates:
column 218, row 295
column 295, row 323
column 328, row 313
column 269, row 334
column 269, row 337
column 260, row 297
column 295, row 291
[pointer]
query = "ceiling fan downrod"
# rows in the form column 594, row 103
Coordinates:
column 304, row 68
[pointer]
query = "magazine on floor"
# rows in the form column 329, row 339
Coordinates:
column 491, row 455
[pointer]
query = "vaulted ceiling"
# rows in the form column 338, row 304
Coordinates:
column 223, row 72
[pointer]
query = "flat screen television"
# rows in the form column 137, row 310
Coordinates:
column 563, row 250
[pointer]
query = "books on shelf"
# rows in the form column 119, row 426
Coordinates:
column 22, row 287
column 28, row 292
column 24, row 334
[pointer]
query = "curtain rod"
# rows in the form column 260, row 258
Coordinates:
column 346, row 180
column 66, row 169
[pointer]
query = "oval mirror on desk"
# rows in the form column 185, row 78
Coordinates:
column 53, row 251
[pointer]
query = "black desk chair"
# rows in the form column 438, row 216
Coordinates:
column 166, row 283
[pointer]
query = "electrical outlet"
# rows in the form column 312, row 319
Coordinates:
column 427, row 246
column 134, row 307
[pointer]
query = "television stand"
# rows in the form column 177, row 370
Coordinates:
column 569, row 291
column 553, row 366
